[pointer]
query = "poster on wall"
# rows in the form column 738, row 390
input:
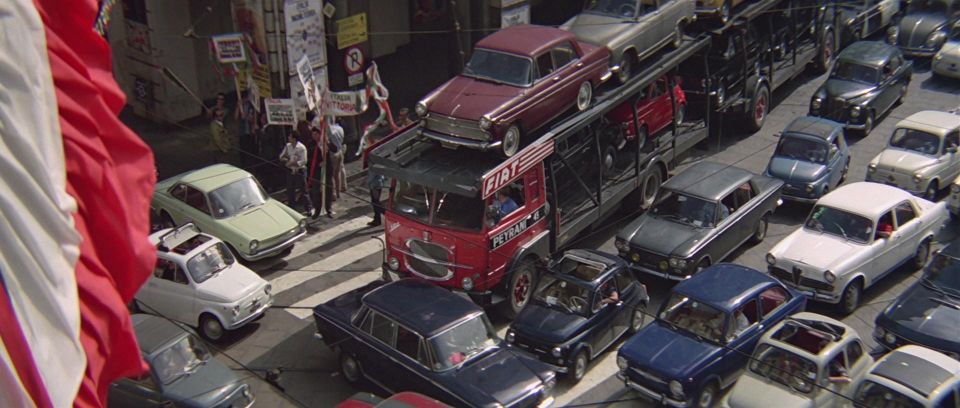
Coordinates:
column 305, row 32
column 515, row 15
column 249, row 21
column 229, row 48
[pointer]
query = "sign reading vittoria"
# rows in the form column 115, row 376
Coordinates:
column 517, row 228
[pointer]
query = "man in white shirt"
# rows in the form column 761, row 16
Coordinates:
column 294, row 158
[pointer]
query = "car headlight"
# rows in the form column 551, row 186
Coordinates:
column 676, row 389
column 829, row 276
column 890, row 338
column 892, row 33
column 917, row 177
column 556, row 352
column 816, row 103
column 878, row 332
column 809, row 188
column 621, row 245
column 872, row 167
column 393, row 263
column 267, row 289
column 855, row 111
column 254, row 245
column 235, row 310
column 303, row 224
column 467, row 283
column 635, row 257
column 247, row 394
column 678, row 263
column 938, row 57
column 511, row 336
column 421, row 109
column 771, row 260
column 621, row 363
column 935, row 39
column 485, row 122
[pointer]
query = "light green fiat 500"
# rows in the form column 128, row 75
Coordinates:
column 229, row 203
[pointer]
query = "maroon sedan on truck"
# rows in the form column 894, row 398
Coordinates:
column 517, row 80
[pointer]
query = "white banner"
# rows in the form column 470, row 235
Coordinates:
column 305, row 32
column 280, row 112
column 349, row 103
column 308, row 82
column 229, row 48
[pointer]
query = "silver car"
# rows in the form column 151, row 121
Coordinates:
column 922, row 154
column 632, row 29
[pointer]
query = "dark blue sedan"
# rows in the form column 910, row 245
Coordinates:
column 410, row 335
column 928, row 313
column 584, row 302
column 704, row 335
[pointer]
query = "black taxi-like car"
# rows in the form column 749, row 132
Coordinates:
column 583, row 303
column 410, row 335
column 867, row 79
column 701, row 215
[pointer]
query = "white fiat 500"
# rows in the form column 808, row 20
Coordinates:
column 854, row 236
column 911, row 376
column 921, row 156
column 807, row 360
column 198, row 281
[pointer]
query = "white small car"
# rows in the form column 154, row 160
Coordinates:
column 807, row 360
column 854, row 236
column 198, row 281
column 947, row 61
column 911, row 376
column 921, row 156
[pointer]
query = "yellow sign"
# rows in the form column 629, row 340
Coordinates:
column 351, row 30
column 261, row 75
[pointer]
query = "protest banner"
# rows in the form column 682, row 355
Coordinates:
column 280, row 112
column 308, row 81
column 229, row 48
column 305, row 28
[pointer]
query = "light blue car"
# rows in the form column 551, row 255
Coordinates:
column 811, row 158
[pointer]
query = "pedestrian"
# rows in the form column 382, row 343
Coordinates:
column 314, row 181
column 403, row 117
column 218, row 137
column 376, row 183
column 246, row 115
column 221, row 104
column 294, row 159
column 339, row 175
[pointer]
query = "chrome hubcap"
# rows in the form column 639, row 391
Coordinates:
column 212, row 328
column 583, row 97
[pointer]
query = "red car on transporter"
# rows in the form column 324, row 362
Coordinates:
column 517, row 80
column 655, row 112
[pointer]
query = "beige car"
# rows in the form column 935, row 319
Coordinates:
column 921, row 156
column 807, row 360
column 723, row 9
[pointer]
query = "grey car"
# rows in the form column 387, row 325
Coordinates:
column 632, row 29
column 701, row 216
column 812, row 158
column 182, row 372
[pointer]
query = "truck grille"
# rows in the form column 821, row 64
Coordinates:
column 467, row 129
column 428, row 260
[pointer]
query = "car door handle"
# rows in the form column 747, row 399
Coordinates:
column 556, row 78
column 579, row 65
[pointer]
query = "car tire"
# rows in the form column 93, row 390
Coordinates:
column 511, row 141
column 650, row 188
column 760, row 231
column 584, row 96
column 577, row 367
column 850, row 299
column 166, row 221
column 627, row 60
column 868, row 124
column 211, row 328
column 522, row 283
column 609, row 162
column 921, row 255
column 703, row 264
column 759, row 107
column 903, row 94
column 350, row 368
column 843, row 176
column 637, row 317
column 930, row 193
column 707, row 397
column 827, row 52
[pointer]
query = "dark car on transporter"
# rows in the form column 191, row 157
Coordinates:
column 701, row 215
column 812, row 158
column 867, row 80
column 584, row 302
column 410, row 335
column 928, row 313
column 925, row 27
column 704, row 335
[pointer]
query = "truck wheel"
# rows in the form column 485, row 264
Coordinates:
column 522, row 283
column 759, row 105
column 609, row 160
column 577, row 368
column 350, row 368
column 511, row 141
column 921, row 254
column 827, row 49
column 651, row 186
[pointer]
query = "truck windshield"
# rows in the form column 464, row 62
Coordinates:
column 438, row 208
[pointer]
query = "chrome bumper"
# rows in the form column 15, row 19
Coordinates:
column 253, row 315
column 268, row 252
column 664, row 275
column 458, row 141
column 656, row 396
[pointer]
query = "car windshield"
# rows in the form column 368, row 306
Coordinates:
column 943, row 274
column 499, row 67
column 561, row 294
column 213, row 259
column 697, row 318
column 855, row 72
column 871, row 394
column 784, row 367
column 935, row 6
column 438, row 208
column 236, row 197
column 840, row 223
column 180, row 359
column 462, row 342
column 685, row 209
column 916, row 141
column 612, row 8
column 801, row 148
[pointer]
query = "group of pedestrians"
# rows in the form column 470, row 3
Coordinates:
column 249, row 130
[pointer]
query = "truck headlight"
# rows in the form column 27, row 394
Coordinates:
column 254, row 245
column 816, row 103
column 829, row 276
column 855, row 111
column 771, row 260
column 892, row 33
column 917, row 178
column 935, row 39
column 621, row 363
column 621, row 245
column 467, row 283
column 393, row 263
column 676, row 389
column 872, row 167
column 511, row 336
column 556, row 352
column 485, row 122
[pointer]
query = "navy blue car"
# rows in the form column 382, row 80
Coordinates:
column 704, row 334
column 928, row 313
column 410, row 335
column 584, row 302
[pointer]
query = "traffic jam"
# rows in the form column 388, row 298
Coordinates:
column 487, row 295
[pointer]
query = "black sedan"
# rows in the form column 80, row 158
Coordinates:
column 925, row 27
column 584, row 302
column 409, row 335
column 701, row 215
column 868, row 79
column 928, row 313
